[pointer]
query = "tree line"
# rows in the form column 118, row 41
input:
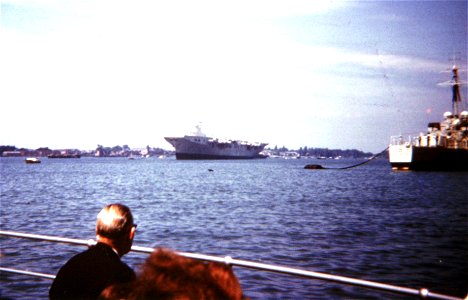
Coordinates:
column 324, row 152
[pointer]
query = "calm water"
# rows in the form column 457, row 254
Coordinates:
column 402, row 228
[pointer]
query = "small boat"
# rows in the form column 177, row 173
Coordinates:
column 32, row 160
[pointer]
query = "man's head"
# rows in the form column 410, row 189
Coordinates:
column 115, row 227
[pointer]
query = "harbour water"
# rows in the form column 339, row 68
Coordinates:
column 403, row 228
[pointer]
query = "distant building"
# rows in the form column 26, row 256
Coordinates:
column 12, row 153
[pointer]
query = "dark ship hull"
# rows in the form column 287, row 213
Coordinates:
column 201, row 156
column 434, row 159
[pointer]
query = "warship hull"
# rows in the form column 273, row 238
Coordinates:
column 404, row 157
column 193, row 147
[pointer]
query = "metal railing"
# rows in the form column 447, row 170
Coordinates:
column 423, row 292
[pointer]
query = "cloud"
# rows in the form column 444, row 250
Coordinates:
column 110, row 69
column 330, row 57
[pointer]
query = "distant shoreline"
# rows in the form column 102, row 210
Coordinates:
column 125, row 151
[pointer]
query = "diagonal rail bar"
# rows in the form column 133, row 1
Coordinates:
column 29, row 273
column 423, row 293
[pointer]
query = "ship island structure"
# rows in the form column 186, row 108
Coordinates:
column 445, row 145
column 198, row 146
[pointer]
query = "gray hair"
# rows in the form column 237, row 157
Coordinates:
column 114, row 221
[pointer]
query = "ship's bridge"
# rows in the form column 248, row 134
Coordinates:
column 197, row 139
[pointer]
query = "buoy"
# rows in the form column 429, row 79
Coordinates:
column 314, row 167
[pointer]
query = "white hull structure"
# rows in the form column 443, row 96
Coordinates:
column 406, row 155
column 199, row 146
column 443, row 148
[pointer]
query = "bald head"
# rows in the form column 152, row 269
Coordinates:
column 114, row 221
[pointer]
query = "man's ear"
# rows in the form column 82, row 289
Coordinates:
column 132, row 232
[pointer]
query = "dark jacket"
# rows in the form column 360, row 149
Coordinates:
column 87, row 274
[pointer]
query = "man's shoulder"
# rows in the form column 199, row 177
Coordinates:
column 103, row 256
column 95, row 255
column 90, row 271
column 96, row 250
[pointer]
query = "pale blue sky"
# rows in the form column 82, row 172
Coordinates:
column 336, row 74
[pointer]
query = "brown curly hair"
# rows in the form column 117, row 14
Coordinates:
column 167, row 275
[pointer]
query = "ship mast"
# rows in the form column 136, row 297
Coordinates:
column 456, row 96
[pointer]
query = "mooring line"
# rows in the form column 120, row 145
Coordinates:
column 423, row 293
column 320, row 167
column 365, row 162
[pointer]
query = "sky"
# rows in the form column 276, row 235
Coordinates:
column 322, row 74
